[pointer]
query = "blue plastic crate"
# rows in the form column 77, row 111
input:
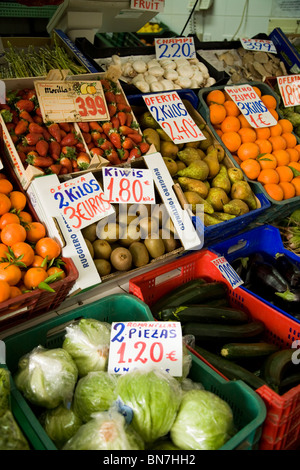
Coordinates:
column 265, row 239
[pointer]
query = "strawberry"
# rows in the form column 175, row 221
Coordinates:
column 55, row 131
column 125, row 130
column 35, row 128
column 113, row 157
column 112, row 109
column 107, row 127
column 84, row 126
column 69, row 139
column 115, row 122
column 127, row 143
column 87, row 137
column 25, row 115
column 122, row 118
column 33, row 158
column 54, row 148
column 31, row 138
column 129, row 119
column 25, row 105
column 110, row 97
column 21, row 127
column 137, row 138
column 115, row 138
column 96, row 152
column 123, row 154
column 95, row 126
column 65, row 126
column 55, row 168
column 66, row 163
column 124, row 107
column 134, row 153
column 42, row 148
column 144, row 147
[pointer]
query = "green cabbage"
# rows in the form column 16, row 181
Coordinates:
column 60, row 424
column 94, row 392
column 87, row 341
column 204, row 422
column 4, row 390
column 154, row 397
column 105, row 431
column 164, row 444
column 11, row 436
column 47, row 377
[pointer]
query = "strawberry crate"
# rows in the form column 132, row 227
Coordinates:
column 281, row 428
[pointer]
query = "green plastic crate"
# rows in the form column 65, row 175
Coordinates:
column 9, row 9
column 278, row 208
column 248, row 409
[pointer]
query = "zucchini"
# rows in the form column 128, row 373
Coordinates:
column 231, row 370
column 236, row 351
column 276, row 366
column 289, row 382
column 204, row 314
column 197, row 291
column 215, row 332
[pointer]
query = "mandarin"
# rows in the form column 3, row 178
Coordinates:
column 267, row 160
column 268, row 175
column 291, row 140
column 232, row 140
column 5, row 204
column 231, row 108
column 286, row 125
column 217, row 113
column 248, row 150
column 18, row 200
column 282, row 157
column 274, row 113
column 13, row 233
column 8, row 218
column 275, row 130
column 293, row 153
column 296, row 182
column 274, row 191
column 278, row 142
column 230, row 124
column 285, row 173
column 263, row 132
column 269, row 101
column 288, row 189
column 215, row 96
column 251, row 168
column 243, row 121
column 257, row 91
column 6, row 186
column 265, row 145
column 247, row 134
column 4, row 291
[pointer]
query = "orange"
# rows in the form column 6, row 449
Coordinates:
column 15, row 292
column 286, row 125
column 18, row 200
column 5, row 186
column 215, row 96
column 274, row 191
column 282, row 157
column 230, row 124
column 297, row 147
column 278, row 142
column 219, row 132
column 217, row 113
column 55, row 270
column 257, row 90
column 285, row 173
column 243, row 121
column 268, row 175
column 39, row 262
column 4, row 291
column 231, row 108
column 251, row 168
column 247, row 134
column 291, row 140
column 13, row 233
column 274, row 113
column 35, row 231
column 5, row 204
column 232, row 140
column 269, row 101
column 263, row 132
column 24, row 252
column 25, row 217
column 47, row 247
column 267, row 160
column 248, row 150
column 295, row 167
column 3, row 250
column 265, row 145
column 10, row 273
column 296, row 182
column 33, row 277
column 8, row 218
column 237, row 159
column 294, row 154
column 288, row 189
column 275, row 130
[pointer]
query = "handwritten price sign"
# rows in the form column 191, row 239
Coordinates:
column 289, row 87
column 149, row 5
column 81, row 201
column 251, row 106
column 174, row 48
column 138, row 345
column 71, row 101
column 126, row 185
column 171, row 114
column 228, row 272
column 263, row 45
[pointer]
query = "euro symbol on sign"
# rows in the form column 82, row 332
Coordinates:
column 147, row 182
column 259, row 117
column 171, row 356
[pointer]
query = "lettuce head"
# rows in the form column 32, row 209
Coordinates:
column 60, row 424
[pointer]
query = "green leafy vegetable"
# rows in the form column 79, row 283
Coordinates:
column 11, row 436
column 60, row 424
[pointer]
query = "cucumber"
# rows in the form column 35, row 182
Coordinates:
column 235, row 351
column 215, row 332
column 229, row 369
column 204, row 314
column 197, row 291
column 276, row 367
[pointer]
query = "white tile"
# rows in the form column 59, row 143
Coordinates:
column 218, row 8
column 234, row 7
column 259, row 8
column 256, row 25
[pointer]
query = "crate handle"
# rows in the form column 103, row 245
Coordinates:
column 58, row 329
column 177, row 272
column 241, row 244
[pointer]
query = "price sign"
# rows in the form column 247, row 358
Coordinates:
column 81, row 201
column 150, row 5
column 71, row 101
column 228, row 272
column 263, row 45
column 174, row 48
column 141, row 345
column 289, row 87
column 251, row 106
column 171, row 114
column 127, row 185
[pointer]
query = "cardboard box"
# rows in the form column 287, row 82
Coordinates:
column 286, row 51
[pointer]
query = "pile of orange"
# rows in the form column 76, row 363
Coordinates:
column 28, row 256
column 269, row 155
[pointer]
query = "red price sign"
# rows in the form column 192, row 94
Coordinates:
column 289, row 87
column 170, row 113
column 136, row 345
column 128, row 186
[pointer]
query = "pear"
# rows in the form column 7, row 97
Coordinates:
column 152, row 137
column 197, row 169
column 168, row 149
column 194, row 198
column 242, row 190
column 171, row 165
column 221, row 180
column 236, row 207
column 163, row 135
column 204, row 144
column 217, row 198
column 180, row 165
column 188, row 155
column 220, row 151
column 211, row 220
column 235, row 174
column 223, row 216
column 190, row 184
column 213, row 163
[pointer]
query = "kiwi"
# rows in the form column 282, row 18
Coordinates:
column 155, row 246
column 109, row 232
column 103, row 266
column 130, row 234
column 89, row 244
column 169, row 241
column 148, row 226
column 139, row 253
column 121, row 259
column 102, row 249
column 89, row 232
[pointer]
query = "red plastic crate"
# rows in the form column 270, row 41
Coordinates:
column 281, row 429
